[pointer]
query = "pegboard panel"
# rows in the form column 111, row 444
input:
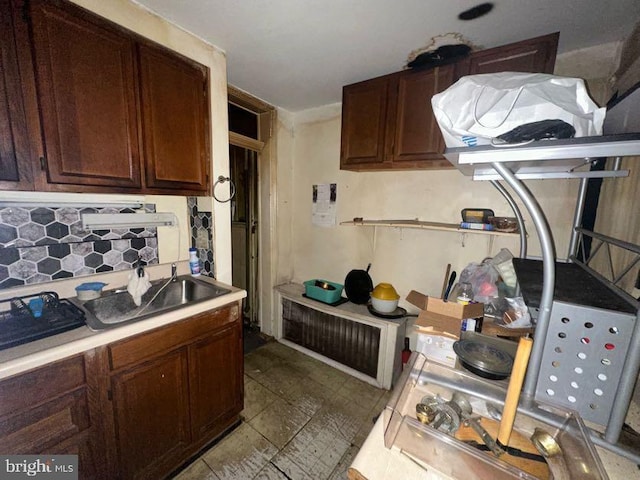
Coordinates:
column 583, row 357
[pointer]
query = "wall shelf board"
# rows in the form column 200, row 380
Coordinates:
column 443, row 227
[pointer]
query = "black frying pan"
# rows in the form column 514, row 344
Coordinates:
column 358, row 286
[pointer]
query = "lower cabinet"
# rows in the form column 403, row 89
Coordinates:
column 47, row 411
column 138, row 408
column 151, row 412
column 215, row 382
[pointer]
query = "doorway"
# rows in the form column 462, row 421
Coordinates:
column 243, row 164
column 252, row 169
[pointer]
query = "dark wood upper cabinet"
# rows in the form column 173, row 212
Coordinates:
column 416, row 140
column 106, row 110
column 174, row 120
column 364, row 119
column 15, row 164
column 388, row 122
column 536, row 55
column 87, row 98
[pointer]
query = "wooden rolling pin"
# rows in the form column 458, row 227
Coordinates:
column 513, row 391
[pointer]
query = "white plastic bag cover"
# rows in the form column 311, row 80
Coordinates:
column 478, row 108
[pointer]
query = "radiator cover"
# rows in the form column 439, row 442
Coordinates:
column 350, row 343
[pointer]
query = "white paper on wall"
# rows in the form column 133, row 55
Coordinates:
column 324, row 204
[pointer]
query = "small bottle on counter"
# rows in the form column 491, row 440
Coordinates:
column 465, row 294
column 194, row 262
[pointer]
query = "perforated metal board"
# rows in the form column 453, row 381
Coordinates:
column 583, row 359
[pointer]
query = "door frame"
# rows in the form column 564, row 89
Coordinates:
column 267, row 174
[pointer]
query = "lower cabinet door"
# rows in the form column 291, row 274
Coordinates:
column 150, row 405
column 58, row 427
column 216, row 381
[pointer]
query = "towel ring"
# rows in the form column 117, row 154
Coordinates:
column 222, row 179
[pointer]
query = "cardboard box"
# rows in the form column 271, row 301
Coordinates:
column 454, row 309
column 447, row 316
column 442, row 323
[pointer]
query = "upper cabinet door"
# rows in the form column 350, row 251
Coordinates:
column 415, row 137
column 175, row 121
column 86, row 91
column 364, row 117
column 536, row 55
column 15, row 168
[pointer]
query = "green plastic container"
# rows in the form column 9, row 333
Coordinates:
column 322, row 294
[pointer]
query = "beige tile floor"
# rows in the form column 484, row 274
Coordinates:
column 302, row 420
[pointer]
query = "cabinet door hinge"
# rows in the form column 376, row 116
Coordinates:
column 43, row 163
column 109, row 395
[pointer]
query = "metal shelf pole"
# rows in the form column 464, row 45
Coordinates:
column 517, row 213
column 548, row 275
column 577, row 217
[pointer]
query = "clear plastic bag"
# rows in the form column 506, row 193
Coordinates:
column 483, row 278
column 517, row 316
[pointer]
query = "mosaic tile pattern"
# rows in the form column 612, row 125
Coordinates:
column 42, row 244
column 202, row 222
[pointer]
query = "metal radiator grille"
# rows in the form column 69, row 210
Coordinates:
column 350, row 343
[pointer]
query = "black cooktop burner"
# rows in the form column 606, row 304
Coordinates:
column 38, row 316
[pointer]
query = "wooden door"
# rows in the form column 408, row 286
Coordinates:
column 216, row 381
column 87, row 96
column 364, row 117
column 150, row 405
column 536, row 55
column 414, row 138
column 175, row 121
column 15, row 167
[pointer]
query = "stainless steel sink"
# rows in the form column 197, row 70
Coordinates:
column 117, row 307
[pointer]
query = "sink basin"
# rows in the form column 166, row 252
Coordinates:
column 117, row 307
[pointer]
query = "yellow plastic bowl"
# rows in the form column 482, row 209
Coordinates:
column 385, row 291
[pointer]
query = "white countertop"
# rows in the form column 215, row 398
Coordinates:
column 41, row 352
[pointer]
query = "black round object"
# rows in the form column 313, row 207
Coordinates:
column 399, row 312
column 483, row 359
column 476, row 12
column 358, row 286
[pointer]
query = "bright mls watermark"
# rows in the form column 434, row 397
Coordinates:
column 49, row 467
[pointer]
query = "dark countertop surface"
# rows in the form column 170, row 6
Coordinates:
column 573, row 285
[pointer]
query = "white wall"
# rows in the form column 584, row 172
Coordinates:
column 409, row 259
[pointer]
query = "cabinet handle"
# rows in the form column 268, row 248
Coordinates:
column 43, row 164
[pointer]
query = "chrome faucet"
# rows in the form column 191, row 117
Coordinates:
column 139, row 267
column 174, row 272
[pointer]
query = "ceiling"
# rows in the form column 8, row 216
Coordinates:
column 297, row 54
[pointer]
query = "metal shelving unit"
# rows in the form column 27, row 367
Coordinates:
column 549, row 159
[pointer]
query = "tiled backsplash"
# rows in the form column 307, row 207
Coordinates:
column 39, row 244
column 201, row 222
